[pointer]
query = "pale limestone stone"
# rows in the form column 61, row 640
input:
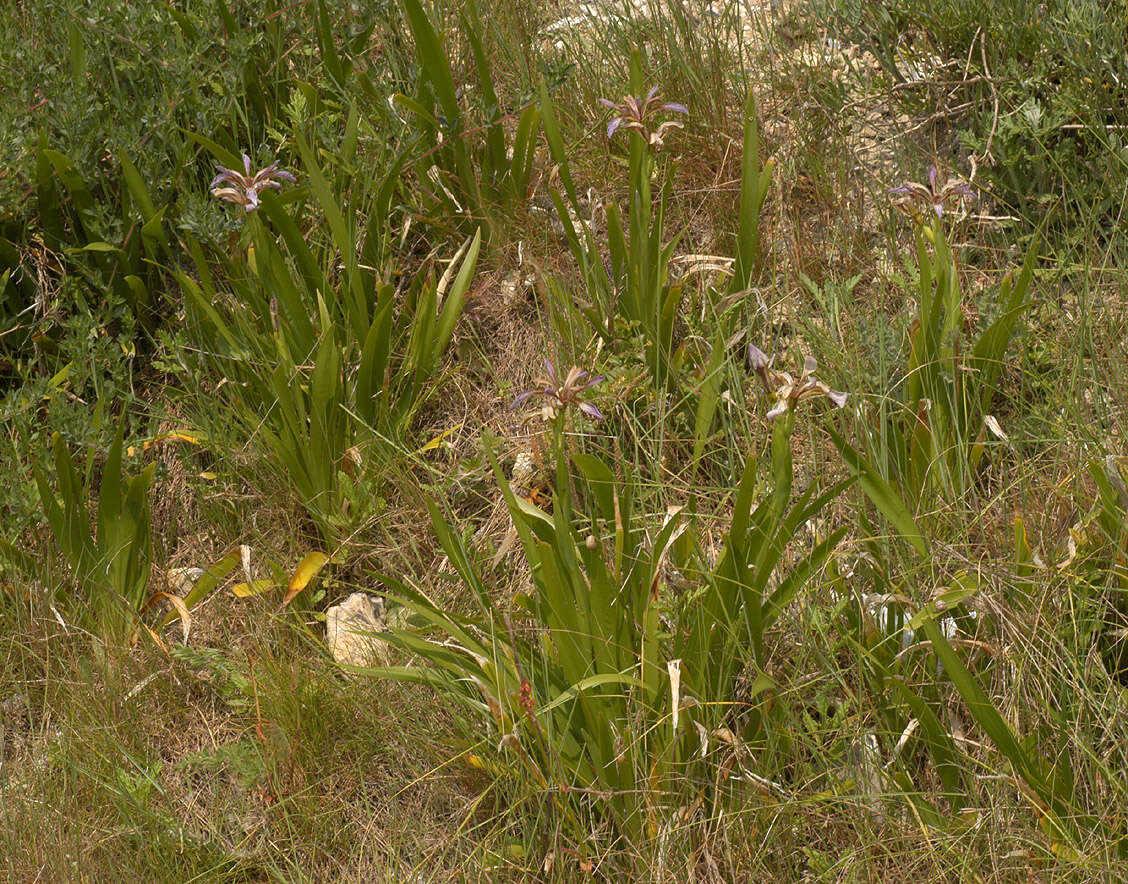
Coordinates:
column 349, row 627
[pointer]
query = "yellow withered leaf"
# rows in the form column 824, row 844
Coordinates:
column 306, row 571
column 440, row 439
column 253, row 587
column 178, row 435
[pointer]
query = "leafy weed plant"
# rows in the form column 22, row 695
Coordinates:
column 609, row 704
column 110, row 564
column 933, row 444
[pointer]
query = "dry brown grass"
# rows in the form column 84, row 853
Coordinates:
column 354, row 780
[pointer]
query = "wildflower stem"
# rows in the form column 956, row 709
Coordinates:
column 782, row 469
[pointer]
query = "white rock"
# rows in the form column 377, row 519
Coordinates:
column 349, row 627
column 527, row 474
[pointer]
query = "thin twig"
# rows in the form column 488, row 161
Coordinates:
column 985, row 156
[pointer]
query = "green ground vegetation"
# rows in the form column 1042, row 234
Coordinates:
column 725, row 402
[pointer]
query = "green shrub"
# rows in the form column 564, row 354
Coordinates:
column 1044, row 87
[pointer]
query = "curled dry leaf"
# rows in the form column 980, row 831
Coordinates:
column 307, row 569
column 175, row 435
column 252, row 587
column 993, row 425
column 673, row 667
column 178, row 604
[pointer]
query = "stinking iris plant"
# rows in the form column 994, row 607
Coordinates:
column 787, row 390
column 560, row 395
column 243, row 187
column 635, row 113
column 911, row 196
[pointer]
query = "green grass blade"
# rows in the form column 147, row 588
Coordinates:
column 434, row 63
column 338, row 227
column 207, row 582
column 882, row 495
column 330, row 59
column 798, row 576
column 754, row 181
column 226, row 157
column 455, row 297
column 555, row 140
column 110, row 500
column 993, row 724
column 495, row 161
column 939, row 742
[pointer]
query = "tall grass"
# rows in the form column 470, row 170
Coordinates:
column 686, row 622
